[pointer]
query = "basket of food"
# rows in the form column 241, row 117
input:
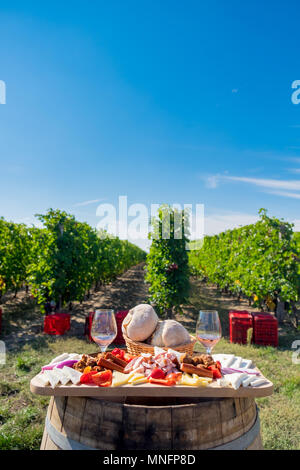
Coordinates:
column 142, row 330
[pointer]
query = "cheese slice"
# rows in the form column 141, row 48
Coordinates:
column 63, row 378
column 60, row 358
column 246, row 364
column 132, row 374
column 135, row 377
column 142, row 380
column 258, row 382
column 247, row 381
column 228, row 360
column 52, row 377
column 73, row 374
column 194, row 380
column 202, row 381
column 237, row 363
column 75, row 357
column 222, row 382
column 119, row 379
column 235, row 379
column 187, row 379
column 44, row 379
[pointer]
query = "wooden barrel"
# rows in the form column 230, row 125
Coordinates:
column 151, row 424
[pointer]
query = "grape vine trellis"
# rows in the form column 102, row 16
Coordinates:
column 63, row 260
column 258, row 261
column 167, row 270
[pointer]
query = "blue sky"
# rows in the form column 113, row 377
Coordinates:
column 186, row 102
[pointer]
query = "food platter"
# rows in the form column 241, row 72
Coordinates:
column 166, row 372
column 140, row 386
column 150, row 390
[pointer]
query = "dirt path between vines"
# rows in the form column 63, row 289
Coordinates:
column 22, row 320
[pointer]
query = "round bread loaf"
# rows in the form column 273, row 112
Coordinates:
column 169, row 333
column 156, row 338
column 140, row 322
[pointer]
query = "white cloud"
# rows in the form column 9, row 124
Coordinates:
column 292, row 185
column 285, row 194
column 29, row 221
column 217, row 223
column 294, row 159
column 266, row 183
column 296, row 223
column 212, row 181
column 86, row 203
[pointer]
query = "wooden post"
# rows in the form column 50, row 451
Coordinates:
column 280, row 312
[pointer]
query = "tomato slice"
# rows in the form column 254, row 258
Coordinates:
column 157, row 373
column 103, row 379
column 118, row 353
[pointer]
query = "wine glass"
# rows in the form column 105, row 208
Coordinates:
column 208, row 329
column 104, row 328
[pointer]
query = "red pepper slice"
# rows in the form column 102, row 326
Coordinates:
column 216, row 370
column 174, row 376
column 105, row 384
column 103, row 379
column 86, row 377
column 161, row 381
column 128, row 357
column 169, row 380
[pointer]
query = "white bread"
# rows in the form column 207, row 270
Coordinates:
column 140, row 322
column 169, row 333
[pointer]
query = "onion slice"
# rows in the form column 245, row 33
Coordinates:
column 230, row 370
column 60, row 365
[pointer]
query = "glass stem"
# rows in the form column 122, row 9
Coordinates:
column 208, row 351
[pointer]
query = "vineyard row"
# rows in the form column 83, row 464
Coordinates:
column 258, row 261
column 63, row 260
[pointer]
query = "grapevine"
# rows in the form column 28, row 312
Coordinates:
column 256, row 261
column 63, row 260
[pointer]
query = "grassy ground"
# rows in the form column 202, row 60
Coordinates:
column 22, row 414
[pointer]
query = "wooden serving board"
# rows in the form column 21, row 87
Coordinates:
column 150, row 390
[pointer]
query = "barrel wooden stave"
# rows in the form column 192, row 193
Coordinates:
column 151, row 424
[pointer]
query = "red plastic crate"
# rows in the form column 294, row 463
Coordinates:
column 265, row 329
column 119, row 319
column 57, row 323
column 239, row 323
column 88, row 325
